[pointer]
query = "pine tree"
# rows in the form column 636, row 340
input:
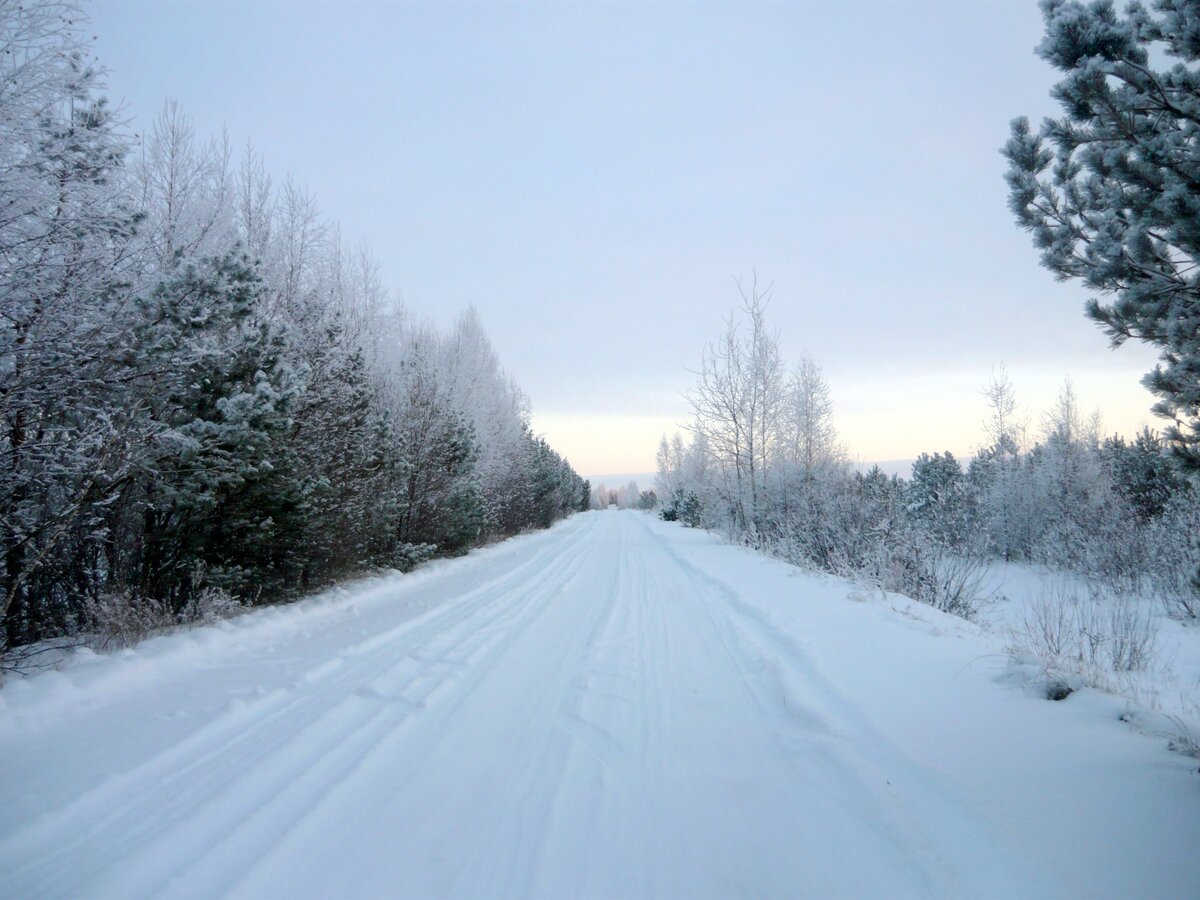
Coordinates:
column 1141, row 473
column 937, row 496
column 1111, row 190
column 222, row 502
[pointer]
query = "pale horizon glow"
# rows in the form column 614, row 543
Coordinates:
column 610, row 447
column 593, row 178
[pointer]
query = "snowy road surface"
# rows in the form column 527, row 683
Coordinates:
column 617, row 707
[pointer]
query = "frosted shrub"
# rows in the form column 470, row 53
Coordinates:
column 210, row 605
column 921, row 567
column 1092, row 635
column 1047, row 628
column 1180, row 596
column 855, row 528
column 1130, row 633
column 119, row 620
column 1174, row 559
column 116, row 620
column 407, row 557
column 956, row 580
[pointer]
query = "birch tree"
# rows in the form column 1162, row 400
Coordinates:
column 736, row 402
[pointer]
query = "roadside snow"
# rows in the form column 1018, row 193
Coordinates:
column 618, row 706
column 1169, row 688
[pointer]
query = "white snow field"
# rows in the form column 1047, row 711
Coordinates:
column 617, row 707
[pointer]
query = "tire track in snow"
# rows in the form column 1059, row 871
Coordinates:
column 390, row 738
column 904, row 803
column 506, row 808
column 242, row 744
column 603, row 717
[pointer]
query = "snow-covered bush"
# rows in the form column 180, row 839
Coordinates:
column 116, row 620
column 856, row 526
column 209, row 605
column 407, row 557
column 1174, row 558
column 1099, row 637
column 951, row 579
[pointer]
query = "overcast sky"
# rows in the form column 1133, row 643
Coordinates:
column 594, row 177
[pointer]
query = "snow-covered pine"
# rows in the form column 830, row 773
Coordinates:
column 1109, row 190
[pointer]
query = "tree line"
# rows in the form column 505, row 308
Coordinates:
column 762, row 463
column 207, row 399
column 628, row 497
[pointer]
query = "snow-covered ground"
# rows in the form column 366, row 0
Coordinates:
column 1165, row 692
column 615, row 707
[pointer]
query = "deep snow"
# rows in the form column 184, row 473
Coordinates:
column 615, row 707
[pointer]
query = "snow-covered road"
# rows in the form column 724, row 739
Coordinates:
column 617, row 707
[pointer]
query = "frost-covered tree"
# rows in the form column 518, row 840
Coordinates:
column 629, row 497
column 599, row 498
column 808, row 449
column 809, row 440
column 737, row 401
column 669, row 480
column 294, row 260
column 253, row 203
column 65, row 260
column 1004, row 426
column 937, row 496
column 497, row 411
column 1141, row 473
column 439, row 501
column 1111, row 189
column 184, row 190
column 205, row 400
column 220, row 501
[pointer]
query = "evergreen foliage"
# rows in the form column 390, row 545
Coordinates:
column 1111, row 190
column 1141, row 473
